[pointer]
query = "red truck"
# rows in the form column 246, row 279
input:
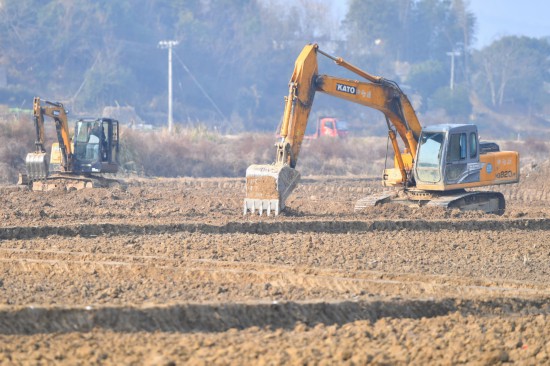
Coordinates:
column 329, row 126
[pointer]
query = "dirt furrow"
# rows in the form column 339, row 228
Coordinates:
column 270, row 227
column 102, row 278
column 219, row 317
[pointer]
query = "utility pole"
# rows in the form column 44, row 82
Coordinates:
column 453, row 54
column 169, row 45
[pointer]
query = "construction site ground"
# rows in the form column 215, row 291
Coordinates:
column 169, row 271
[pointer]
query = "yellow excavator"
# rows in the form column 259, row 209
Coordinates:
column 438, row 163
column 73, row 163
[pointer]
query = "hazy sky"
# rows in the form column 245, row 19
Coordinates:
column 495, row 18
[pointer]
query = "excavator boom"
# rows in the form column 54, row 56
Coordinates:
column 37, row 164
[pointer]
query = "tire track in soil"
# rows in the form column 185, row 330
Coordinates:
column 271, row 227
column 220, row 317
column 331, row 283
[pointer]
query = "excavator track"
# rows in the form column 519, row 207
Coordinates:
column 488, row 202
column 373, row 200
column 69, row 182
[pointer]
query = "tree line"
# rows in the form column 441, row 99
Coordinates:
column 234, row 57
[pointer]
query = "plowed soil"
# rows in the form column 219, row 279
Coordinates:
column 170, row 271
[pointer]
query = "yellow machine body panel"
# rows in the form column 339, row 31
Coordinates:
column 496, row 168
column 500, row 167
column 56, row 156
column 392, row 176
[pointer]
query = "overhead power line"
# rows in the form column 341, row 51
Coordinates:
column 200, row 87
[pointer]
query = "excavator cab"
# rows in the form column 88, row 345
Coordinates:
column 451, row 157
column 448, row 154
column 96, row 145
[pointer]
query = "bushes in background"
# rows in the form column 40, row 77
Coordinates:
column 198, row 152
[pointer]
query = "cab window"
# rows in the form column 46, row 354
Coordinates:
column 457, row 147
column 83, row 130
column 473, row 144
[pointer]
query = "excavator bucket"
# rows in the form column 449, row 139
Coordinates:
column 268, row 187
column 37, row 165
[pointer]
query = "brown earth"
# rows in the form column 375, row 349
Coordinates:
column 169, row 271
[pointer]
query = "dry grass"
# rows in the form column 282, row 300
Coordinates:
column 16, row 140
column 530, row 149
column 187, row 153
column 350, row 156
column 198, row 152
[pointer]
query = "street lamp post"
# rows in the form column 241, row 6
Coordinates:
column 169, row 45
column 453, row 54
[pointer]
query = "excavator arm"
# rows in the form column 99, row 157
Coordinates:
column 268, row 186
column 37, row 166
column 298, row 104
column 377, row 93
column 385, row 97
